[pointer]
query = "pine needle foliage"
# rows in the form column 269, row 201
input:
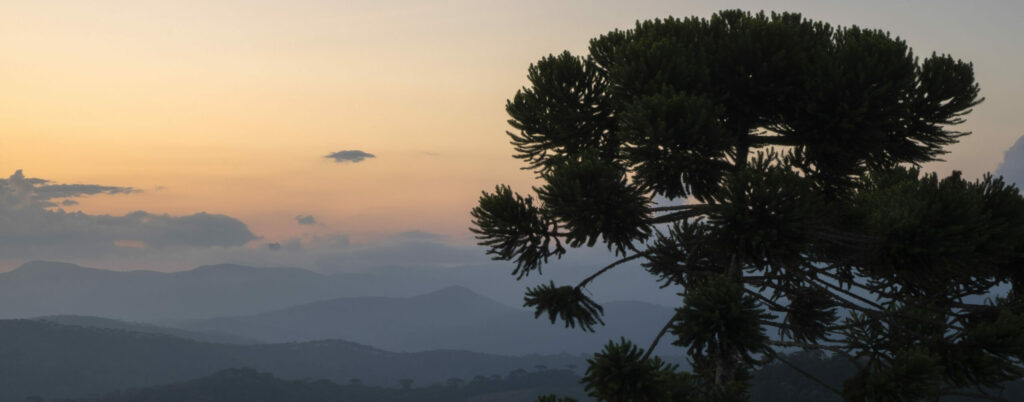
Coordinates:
column 798, row 216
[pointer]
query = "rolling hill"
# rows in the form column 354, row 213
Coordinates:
column 451, row 318
column 61, row 361
column 207, row 291
column 107, row 323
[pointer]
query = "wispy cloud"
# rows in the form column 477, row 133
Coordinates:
column 354, row 156
column 305, row 219
column 33, row 229
column 25, row 190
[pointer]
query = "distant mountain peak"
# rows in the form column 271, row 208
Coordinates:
column 40, row 264
column 51, row 266
column 246, row 269
column 457, row 294
column 223, row 267
column 453, row 291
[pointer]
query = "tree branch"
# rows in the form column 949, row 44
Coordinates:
column 684, row 212
column 657, row 339
column 801, row 345
column 590, row 278
column 675, row 208
column 973, row 395
column 806, row 374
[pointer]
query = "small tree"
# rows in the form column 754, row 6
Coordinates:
column 789, row 149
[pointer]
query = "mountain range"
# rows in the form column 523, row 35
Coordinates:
column 64, row 361
column 239, row 304
column 451, row 318
column 42, row 288
column 49, row 288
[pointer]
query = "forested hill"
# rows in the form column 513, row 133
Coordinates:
column 107, row 323
column 61, row 361
column 246, row 385
column 451, row 318
column 774, row 383
column 54, row 362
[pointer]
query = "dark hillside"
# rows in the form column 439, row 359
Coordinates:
column 58, row 361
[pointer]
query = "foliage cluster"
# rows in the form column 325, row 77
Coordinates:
column 789, row 151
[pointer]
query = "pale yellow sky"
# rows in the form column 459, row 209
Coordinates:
column 230, row 106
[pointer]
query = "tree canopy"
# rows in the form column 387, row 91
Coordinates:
column 797, row 216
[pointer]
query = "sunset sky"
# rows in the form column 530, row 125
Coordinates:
column 230, row 107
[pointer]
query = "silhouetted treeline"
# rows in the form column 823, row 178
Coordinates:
column 61, row 361
column 247, row 385
column 777, row 382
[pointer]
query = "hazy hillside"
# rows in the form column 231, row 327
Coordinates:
column 246, row 385
column 451, row 318
column 58, row 361
column 50, row 288
column 52, row 360
column 773, row 383
column 107, row 323
column 47, row 288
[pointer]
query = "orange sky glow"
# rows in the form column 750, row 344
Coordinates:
column 230, row 106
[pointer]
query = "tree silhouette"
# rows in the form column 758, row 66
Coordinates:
column 455, row 382
column 789, row 151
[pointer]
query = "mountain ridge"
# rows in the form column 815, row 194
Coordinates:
column 450, row 318
column 60, row 361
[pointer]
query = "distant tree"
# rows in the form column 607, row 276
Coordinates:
column 554, row 398
column 405, row 383
column 517, row 373
column 788, row 150
column 455, row 382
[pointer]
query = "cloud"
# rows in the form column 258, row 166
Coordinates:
column 1012, row 167
column 42, row 192
column 354, row 156
column 31, row 228
column 68, row 203
column 305, row 219
column 419, row 235
column 46, row 192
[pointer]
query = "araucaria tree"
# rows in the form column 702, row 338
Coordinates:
column 797, row 216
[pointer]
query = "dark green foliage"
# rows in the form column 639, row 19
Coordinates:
column 719, row 317
column 667, row 131
column 778, row 382
column 685, row 255
column 566, row 111
column 796, row 145
column 515, row 230
column 621, row 373
column 809, row 313
column 937, row 233
column 566, row 303
column 978, row 357
column 765, row 213
column 721, row 328
column 592, row 199
column 913, row 375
